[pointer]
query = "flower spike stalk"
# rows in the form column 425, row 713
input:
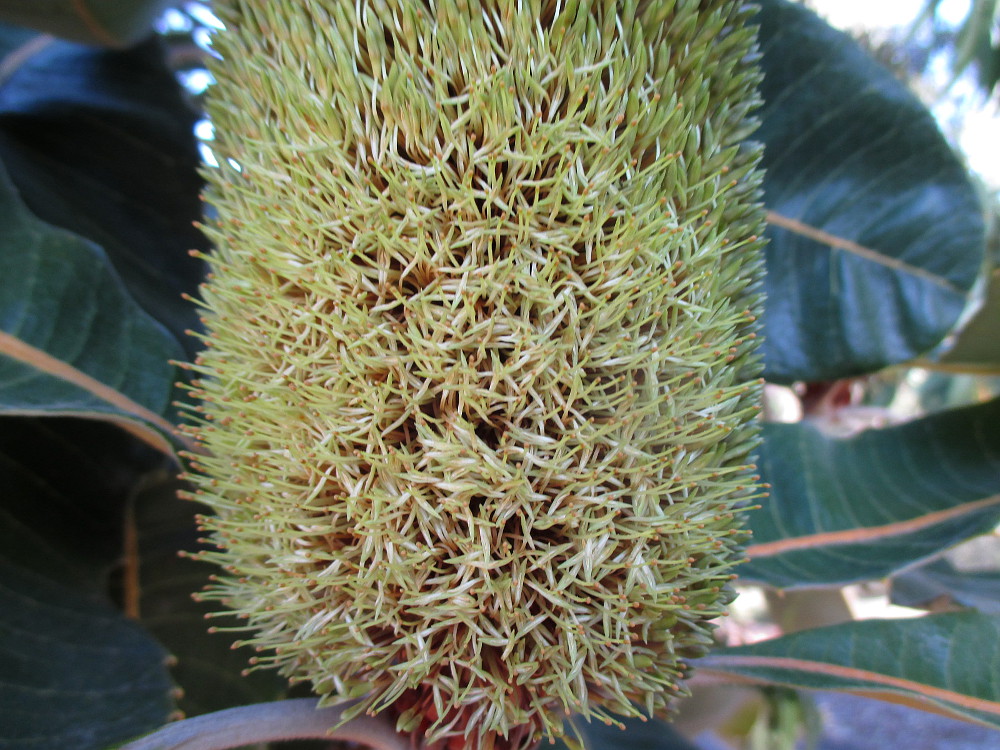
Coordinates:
column 479, row 383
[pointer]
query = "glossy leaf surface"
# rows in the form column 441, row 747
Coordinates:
column 843, row 510
column 72, row 340
column 876, row 236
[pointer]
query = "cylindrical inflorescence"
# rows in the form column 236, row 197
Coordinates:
column 479, row 383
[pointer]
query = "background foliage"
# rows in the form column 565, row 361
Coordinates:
column 876, row 262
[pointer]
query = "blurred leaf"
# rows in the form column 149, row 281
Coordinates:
column 876, row 236
column 934, row 391
column 108, row 22
column 638, row 734
column 843, row 510
column 101, row 143
column 915, row 660
column 76, row 673
column 206, row 667
column 940, row 581
column 787, row 715
column 977, row 43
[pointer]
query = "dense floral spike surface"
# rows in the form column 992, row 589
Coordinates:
column 479, row 380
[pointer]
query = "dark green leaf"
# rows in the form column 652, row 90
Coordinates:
column 205, row 666
column 75, row 672
column 101, row 143
column 916, row 660
column 66, row 483
column 72, row 341
column 851, row 509
column 876, row 236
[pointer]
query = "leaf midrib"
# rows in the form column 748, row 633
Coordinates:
column 21, row 351
column 867, row 534
column 870, row 254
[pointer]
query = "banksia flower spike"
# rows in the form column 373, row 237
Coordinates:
column 479, row 383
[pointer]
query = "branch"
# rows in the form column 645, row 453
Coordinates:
column 271, row 722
